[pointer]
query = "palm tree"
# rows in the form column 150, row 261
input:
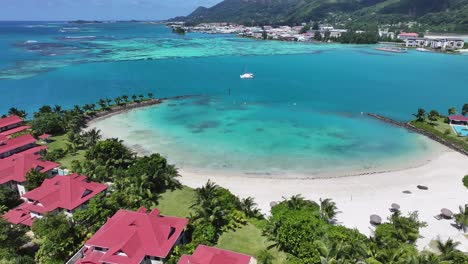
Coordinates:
column 328, row 209
column 118, row 100
column 125, row 97
column 102, row 103
column 452, row 111
column 150, row 95
column 15, row 111
column 465, row 109
column 57, row 109
column 295, row 202
column 248, row 207
column 461, row 219
column 421, row 115
column 206, row 193
column 265, row 257
column 447, row 249
column 141, row 97
column 134, row 97
column 91, row 137
column 87, row 107
column 109, row 101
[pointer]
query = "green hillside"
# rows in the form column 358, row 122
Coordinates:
column 444, row 15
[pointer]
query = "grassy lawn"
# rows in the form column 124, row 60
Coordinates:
column 249, row 240
column 177, row 203
column 443, row 130
column 60, row 142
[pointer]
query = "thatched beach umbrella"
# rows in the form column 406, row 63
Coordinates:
column 395, row 206
column 375, row 219
column 446, row 213
column 273, row 204
column 422, row 187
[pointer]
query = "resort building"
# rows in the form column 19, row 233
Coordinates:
column 59, row 194
column 459, row 125
column 133, row 238
column 11, row 124
column 458, row 120
column 13, row 169
column 437, row 44
column 407, row 35
column 10, row 146
column 210, row 255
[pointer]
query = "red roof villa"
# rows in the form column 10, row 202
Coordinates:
column 10, row 146
column 11, row 124
column 13, row 169
column 131, row 237
column 59, row 194
column 458, row 120
column 405, row 35
column 210, row 255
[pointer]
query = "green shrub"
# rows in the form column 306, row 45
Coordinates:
column 465, row 181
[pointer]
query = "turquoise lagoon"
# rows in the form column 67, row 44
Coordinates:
column 301, row 115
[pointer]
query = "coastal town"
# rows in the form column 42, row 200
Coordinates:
column 320, row 32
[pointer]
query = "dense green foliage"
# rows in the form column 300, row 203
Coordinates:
column 465, row 181
column 215, row 211
column 437, row 125
column 297, row 227
column 59, row 238
column 438, row 15
column 34, row 179
column 358, row 38
column 11, row 240
column 9, row 198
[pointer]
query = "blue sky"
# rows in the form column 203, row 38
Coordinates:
column 97, row 9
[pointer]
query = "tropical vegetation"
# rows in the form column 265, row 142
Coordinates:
column 434, row 15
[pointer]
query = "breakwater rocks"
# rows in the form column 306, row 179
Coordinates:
column 419, row 131
column 117, row 109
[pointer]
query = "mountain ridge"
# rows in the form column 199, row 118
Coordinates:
column 449, row 15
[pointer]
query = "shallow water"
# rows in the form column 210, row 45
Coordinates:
column 301, row 114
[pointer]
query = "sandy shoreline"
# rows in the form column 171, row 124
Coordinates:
column 357, row 197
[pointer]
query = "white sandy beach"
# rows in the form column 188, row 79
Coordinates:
column 358, row 197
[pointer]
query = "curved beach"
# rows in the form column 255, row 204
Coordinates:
column 357, row 197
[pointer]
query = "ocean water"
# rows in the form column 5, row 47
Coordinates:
column 300, row 115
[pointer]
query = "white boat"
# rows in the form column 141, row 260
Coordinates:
column 423, row 50
column 247, row 75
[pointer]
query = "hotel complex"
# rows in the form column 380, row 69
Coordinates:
column 128, row 237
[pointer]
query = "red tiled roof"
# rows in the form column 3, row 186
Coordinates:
column 19, row 215
column 65, row 192
column 408, row 34
column 45, row 136
column 14, row 143
column 14, row 130
column 14, row 168
column 10, row 120
column 458, row 118
column 210, row 255
column 130, row 236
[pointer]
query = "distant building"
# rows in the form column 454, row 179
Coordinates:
column 59, row 194
column 10, row 146
column 13, row 169
column 134, row 238
column 458, row 120
column 384, row 33
column 406, row 35
column 210, row 255
column 437, row 44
